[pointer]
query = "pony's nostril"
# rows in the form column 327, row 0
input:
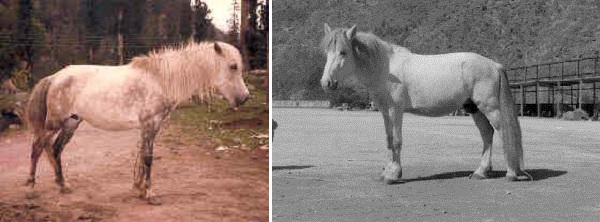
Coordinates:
column 328, row 84
column 243, row 100
column 333, row 85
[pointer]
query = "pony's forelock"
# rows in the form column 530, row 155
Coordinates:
column 366, row 48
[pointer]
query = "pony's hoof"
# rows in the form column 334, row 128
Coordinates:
column 31, row 195
column 66, row 190
column 477, row 176
column 29, row 182
column 151, row 198
column 392, row 181
column 392, row 173
column 528, row 177
column 153, row 201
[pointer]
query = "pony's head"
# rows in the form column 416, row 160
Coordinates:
column 337, row 45
column 229, row 82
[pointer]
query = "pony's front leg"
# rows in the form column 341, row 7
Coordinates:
column 143, row 174
column 393, row 128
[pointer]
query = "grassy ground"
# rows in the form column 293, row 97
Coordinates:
column 194, row 124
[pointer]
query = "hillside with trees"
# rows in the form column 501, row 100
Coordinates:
column 512, row 32
column 38, row 37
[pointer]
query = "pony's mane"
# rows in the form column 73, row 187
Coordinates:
column 185, row 69
column 367, row 48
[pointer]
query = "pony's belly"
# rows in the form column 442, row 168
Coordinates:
column 112, row 124
column 432, row 111
column 434, row 107
column 108, row 118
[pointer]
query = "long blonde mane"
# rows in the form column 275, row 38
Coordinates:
column 186, row 69
column 368, row 49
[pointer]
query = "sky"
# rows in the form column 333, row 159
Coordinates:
column 221, row 11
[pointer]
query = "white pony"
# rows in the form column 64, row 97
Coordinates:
column 141, row 94
column 428, row 85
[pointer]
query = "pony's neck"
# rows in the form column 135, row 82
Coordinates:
column 374, row 74
column 178, row 78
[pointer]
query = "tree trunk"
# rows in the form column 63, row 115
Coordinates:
column 244, row 33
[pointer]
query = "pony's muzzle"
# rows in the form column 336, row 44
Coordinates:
column 243, row 100
column 240, row 101
column 329, row 85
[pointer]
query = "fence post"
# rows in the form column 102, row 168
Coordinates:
column 594, row 102
column 578, row 68
column 559, row 102
column 571, row 96
column 537, row 89
column 522, row 99
column 580, row 85
column 596, row 64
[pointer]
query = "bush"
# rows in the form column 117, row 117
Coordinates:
column 577, row 114
column 353, row 97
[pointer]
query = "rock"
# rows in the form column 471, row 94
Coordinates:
column 221, row 148
column 577, row 114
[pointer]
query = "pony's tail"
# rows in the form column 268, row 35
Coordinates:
column 36, row 106
column 510, row 128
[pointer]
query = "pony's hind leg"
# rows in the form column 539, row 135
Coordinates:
column 487, row 134
column 40, row 142
column 512, row 147
column 54, row 153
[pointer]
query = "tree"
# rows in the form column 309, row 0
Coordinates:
column 30, row 34
column 92, row 30
column 203, row 28
column 233, row 35
column 256, row 37
column 8, row 60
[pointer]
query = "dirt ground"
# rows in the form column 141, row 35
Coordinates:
column 193, row 182
column 326, row 166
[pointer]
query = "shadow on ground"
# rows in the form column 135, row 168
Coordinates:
column 537, row 174
column 292, row 167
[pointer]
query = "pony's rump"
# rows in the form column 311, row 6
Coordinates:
column 36, row 106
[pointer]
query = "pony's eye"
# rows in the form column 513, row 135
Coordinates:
column 343, row 53
column 233, row 66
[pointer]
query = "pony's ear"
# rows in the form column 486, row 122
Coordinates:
column 327, row 28
column 218, row 48
column 350, row 33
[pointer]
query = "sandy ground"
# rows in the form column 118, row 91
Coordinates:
column 193, row 182
column 326, row 166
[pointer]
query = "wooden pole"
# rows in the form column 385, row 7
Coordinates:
column 594, row 101
column 244, row 14
column 579, row 94
column 537, row 88
column 268, row 41
column 559, row 101
column 551, row 100
column 579, row 88
column 120, row 38
column 571, row 96
column 594, row 94
column 522, row 100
